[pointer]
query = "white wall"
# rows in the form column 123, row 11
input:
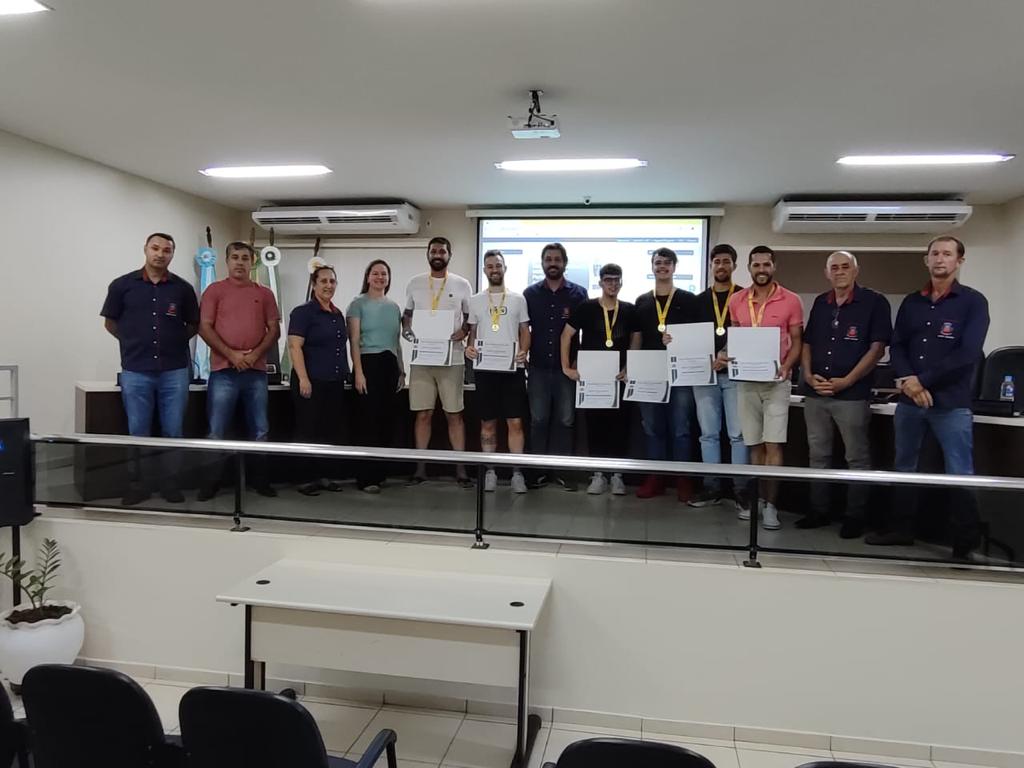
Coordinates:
column 69, row 227
column 908, row 659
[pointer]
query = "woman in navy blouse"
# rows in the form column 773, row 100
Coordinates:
column 318, row 345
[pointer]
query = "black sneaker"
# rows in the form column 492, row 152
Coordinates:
column 206, row 493
column 173, row 495
column 134, row 496
column 265, row 490
column 706, row 498
column 812, row 521
column 890, row 539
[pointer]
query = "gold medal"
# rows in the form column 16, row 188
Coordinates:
column 609, row 324
column 719, row 331
column 662, row 310
column 721, row 314
column 495, row 326
column 495, row 311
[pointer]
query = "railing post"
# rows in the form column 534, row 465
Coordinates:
column 753, row 493
column 478, row 531
column 239, row 493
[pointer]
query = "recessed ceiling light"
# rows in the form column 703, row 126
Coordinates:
column 904, row 160
column 581, row 164
column 265, row 171
column 15, row 7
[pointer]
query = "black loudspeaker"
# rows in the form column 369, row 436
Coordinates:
column 15, row 473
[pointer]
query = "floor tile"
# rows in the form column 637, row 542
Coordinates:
column 755, row 758
column 482, row 745
column 944, row 764
column 901, row 762
column 166, row 698
column 824, row 754
column 383, row 762
column 340, row 726
column 421, row 737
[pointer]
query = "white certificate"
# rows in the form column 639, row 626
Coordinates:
column 754, row 354
column 597, row 387
column 495, row 356
column 431, row 352
column 691, row 354
column 647, row 376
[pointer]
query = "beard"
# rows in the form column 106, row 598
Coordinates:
column 762, row 279
column 554, row 271
column 438, row 264
column 495, row 280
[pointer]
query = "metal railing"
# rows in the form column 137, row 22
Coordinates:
column 482, row 461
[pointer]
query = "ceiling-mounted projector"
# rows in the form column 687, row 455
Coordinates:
column 536, row 125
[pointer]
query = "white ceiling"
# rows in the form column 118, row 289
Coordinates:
column 736, row 101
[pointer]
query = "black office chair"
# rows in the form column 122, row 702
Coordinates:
column 843, row 764
column 241, row 728
column 89, row 716
column 13, row 735
column 628, row 753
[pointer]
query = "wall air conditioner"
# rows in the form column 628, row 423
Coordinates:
column 383, row 219
column 881, row 216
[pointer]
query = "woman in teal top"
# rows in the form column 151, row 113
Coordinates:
column 374, row 328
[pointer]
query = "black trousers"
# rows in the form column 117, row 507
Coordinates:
column 320, row 418
column 375, row 413
column 607, row 432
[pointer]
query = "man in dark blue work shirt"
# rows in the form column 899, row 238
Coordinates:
column 153, row 314
column 552, row 394
column 938, row 341
column 845, row 337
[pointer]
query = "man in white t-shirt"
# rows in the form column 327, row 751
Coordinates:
column 438, row 290
column 500, row 317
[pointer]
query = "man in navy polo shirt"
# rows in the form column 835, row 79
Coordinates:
column 937, row 343
column 153, row 314
column 552, row 395
column 844, row 339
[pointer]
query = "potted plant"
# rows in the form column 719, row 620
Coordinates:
column 40, row 631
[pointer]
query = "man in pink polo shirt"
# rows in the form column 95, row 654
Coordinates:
column 764, row 405
column 240, row 321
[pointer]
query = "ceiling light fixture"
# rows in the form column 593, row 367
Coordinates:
column 265, row 171
column 18, row 7
column 580, row 164
column 922, row 160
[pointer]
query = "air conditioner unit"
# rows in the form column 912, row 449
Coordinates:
column 881, row 216
column 384, row 219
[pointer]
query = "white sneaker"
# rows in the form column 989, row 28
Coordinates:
column 743, row 511
column 597, row 484
column 518, row 482
column 490, row 481
column 618, row 487
column 770, row 518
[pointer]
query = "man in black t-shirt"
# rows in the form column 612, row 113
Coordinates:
column 718, row 403
column 607, row 325
column 666, row 425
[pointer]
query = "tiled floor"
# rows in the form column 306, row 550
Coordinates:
column 433, row 739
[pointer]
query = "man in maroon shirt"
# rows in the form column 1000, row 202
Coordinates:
column 240, row 321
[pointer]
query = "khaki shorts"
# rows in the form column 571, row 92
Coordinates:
column 764, row 411
column 426, row 382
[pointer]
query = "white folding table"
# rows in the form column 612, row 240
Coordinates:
column 456, row 627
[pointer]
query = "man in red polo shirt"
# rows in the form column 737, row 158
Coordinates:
column 764, row 405
column 240, row 321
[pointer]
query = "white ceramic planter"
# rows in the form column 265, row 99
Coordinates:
column 51, row 641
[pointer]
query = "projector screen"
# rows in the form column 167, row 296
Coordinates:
column 592, row 242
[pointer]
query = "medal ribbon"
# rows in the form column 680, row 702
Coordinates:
column 663, row 311
column 496, row 310
column 755, row 320
column 721, row 315
column 435, row 298
column 608, row 325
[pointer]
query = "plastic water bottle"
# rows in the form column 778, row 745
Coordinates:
column 1007, row 389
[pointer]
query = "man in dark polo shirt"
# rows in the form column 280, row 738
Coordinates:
column 666, row 425
column 938, row 341
column 240, row 321
column 153, row 314
column 552, row 395
column 844, row 339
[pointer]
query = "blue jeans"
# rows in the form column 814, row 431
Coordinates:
column 668, row 424
column 223, row 392
column 954, row 430
column 165, row 392
column 712, row 402
column 552, row 411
